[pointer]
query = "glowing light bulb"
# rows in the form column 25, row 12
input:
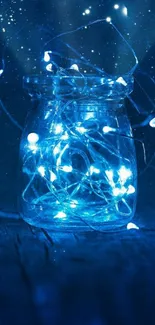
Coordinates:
column 60, row 215
column 111, row 82
column 119, row 191
column 47, row 56
column 108, row 19
column 52, row 176
column 125, row 11
column 49, row 67
column 81, row 129
column 116, row 191
column 58, row 129
column 73, row 204
column 33, row 138
column 74, row 67
column 87, row 11
column 131, row 189
column 67, row 169
column 107, row 129
column 131, row 225
column 65, row 136
column 41, row 170
column 94, row 170
column 1, row 71
column 152, row 123
column 116, row 6
column 124, row 174
column 121, row 81
column 110, row 175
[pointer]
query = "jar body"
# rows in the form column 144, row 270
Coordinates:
column 78, row 166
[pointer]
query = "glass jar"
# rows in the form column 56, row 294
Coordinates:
column 77, row 156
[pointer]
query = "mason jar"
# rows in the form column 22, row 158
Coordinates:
column 77, row 156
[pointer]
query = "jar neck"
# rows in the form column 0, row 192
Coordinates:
column 83, row 106
column 79, row 87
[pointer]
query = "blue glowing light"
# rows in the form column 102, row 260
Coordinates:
column 41, row 170
column 124, row 174
column 73, row 204
column 65, row 136
column 131, row 189
column 74, row 67
column 107, row 129
column 86, row 12
column 131, row 225
column 152, row 123
column 47, row 56
column 116, row 6
column 121, row 81
column 52, row 176
column 67, row 169
column 119, row 188
column 81, row 129
column 33, row 138
column 125, row 11
column 60, row 215
column 58, row 128
column 108, row 19
column 49, row 67
column 94, row 170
